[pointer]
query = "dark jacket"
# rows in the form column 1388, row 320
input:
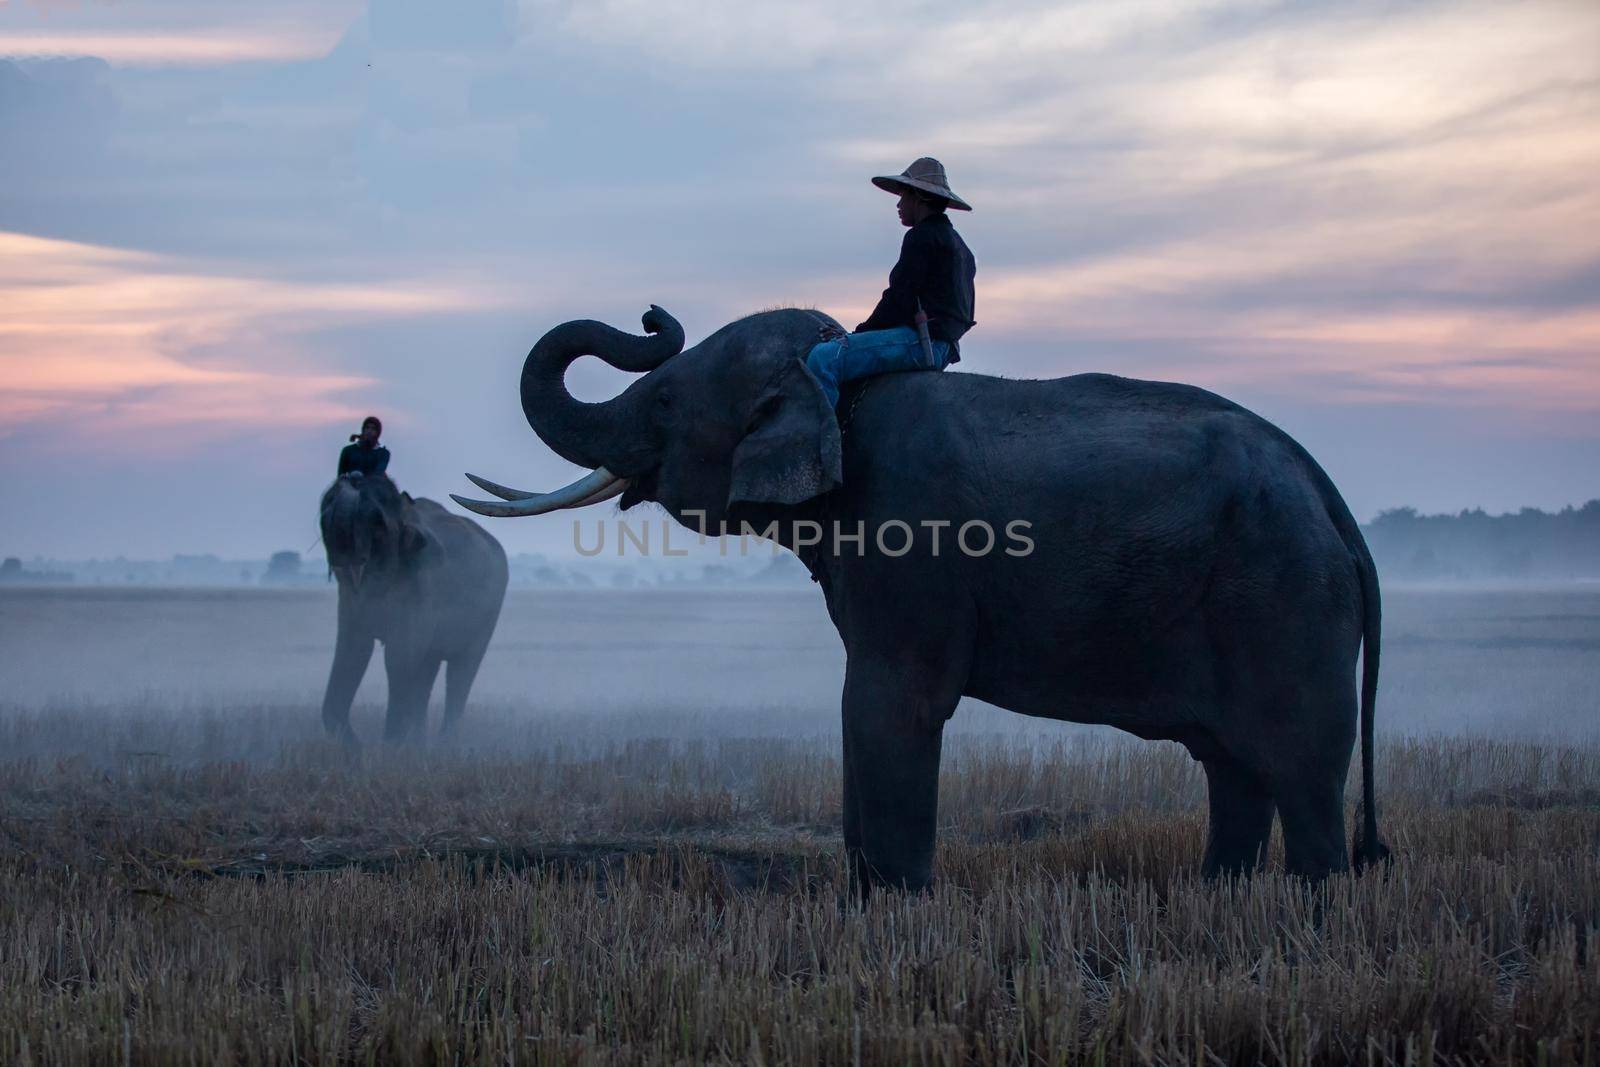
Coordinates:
column 366, row 460
column 937, row 268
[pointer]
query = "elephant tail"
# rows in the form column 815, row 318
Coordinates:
column 1368, row 849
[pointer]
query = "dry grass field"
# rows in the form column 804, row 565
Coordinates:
column 631, row 855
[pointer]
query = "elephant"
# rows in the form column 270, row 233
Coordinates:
column 426, row 583
column 1190, row 574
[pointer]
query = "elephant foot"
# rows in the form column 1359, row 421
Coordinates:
column 349, row 745
column 867, row 880
column 404, row 736
column 343, row 734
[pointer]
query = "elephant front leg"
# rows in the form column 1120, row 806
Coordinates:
column 351, row 655
column 410, row 684
column 893, row 732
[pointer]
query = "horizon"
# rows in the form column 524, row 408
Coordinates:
column 656, row 518
column 233, row 233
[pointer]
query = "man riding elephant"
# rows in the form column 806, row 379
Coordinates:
column 921, row 317
column 1189, row 572
column 363, row 455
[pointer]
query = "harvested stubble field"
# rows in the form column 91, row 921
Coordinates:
column 190, row 874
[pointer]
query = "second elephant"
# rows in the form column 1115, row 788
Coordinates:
column 426, row 583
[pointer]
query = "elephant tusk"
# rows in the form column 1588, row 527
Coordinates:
column 504, row 492
column 616, row 488
column 599, row 484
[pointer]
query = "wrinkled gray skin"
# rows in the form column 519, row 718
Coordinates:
column 426, row 583
column 1195, row 576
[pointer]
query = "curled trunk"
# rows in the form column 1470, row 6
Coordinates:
column 574, row 429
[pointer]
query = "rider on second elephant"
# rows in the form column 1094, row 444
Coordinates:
column 921, row 317
column 363, row 455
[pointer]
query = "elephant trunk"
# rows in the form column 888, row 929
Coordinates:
column 574, row 429
column 340, row 507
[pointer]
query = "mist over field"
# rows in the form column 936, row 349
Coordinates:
column 1521, row 663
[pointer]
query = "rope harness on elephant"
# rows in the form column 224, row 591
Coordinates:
column 859, row 390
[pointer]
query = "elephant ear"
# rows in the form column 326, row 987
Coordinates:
column 790, row 451
column 418, row 548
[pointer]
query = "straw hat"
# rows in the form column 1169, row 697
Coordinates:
column 925, row 176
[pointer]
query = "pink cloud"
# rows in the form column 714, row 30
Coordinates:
column 172, row 49
column 89, row 330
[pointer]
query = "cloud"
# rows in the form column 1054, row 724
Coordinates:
column 68, row 107
column 135, row 339
column 950, row 43
column 185, row 49
column 179, row 33
column 488, row 24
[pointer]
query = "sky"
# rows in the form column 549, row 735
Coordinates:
column 229, row 231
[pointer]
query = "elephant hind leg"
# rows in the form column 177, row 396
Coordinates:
column 458, row 679
column 1309, row 758
column 1241, row 818
column 1312, row 809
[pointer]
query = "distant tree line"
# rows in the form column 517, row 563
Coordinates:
column 12, row 573
column 1529, row 544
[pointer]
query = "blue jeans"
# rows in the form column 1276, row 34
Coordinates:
column 857, row 355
